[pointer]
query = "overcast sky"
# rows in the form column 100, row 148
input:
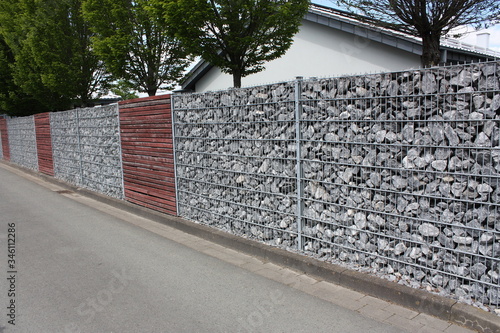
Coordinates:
column 470, row 33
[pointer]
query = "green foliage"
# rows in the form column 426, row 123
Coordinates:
column 53, row 59
column 134, row 45
column 13, row 101
column 238, row 36
column 428, row 19
column 124, row 89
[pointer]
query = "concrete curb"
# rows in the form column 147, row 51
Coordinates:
column 414, row 299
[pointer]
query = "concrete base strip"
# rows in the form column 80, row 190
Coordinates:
column 416, row 301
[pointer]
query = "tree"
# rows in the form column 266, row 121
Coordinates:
column 13, row 101
column 238, row 36
column 134, row 45
column 53, row 58
column 124, row 89
column 428, row 19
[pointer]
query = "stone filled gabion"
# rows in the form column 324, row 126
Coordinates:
column 236, row 161
column 1, row 144
column 400, row 172
column 22, row 142
column 86, row 148
column 402, row 175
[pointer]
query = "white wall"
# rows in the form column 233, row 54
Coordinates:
column 320, row 51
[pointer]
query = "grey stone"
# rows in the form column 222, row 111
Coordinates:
column 478, row 101
column 429, row 83
column 489, row 83
column 428, row 230
column 399, row 249
column 414, row 113
column 464, row 78
column 347, row 175
column 439, row 165
column 438, row 280
column 399, row 182
column 380, row 136
column 408, row 132
column 478, row 270
column 495, row 103
column 486, row 238
column 483, row 140
column 450, row 134
column 493, row 295
column 462, row 240
column 484, row 189
column 360, row 220
column 437, row 132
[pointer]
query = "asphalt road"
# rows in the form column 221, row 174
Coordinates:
column 78, row 269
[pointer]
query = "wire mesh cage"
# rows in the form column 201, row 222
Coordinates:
column 86, row 149
column 22, row 143
column 397, row 174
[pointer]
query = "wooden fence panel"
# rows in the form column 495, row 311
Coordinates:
column 147, row 153
column 5, row 139
column 44, row 144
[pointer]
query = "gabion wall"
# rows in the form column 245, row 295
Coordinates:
column 86, row 148
column 22, row 142
column 398, row 173
column 402, row 175
column 1, row 146
column 66, row 146
column 236, row 158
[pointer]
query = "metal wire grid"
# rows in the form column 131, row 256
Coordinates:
column 396, row 174
column 22, row 142
column 66, row 146
column 1, row 144
column 101, row 150
column 406, row 186
column 86, row 149
column 235, row 161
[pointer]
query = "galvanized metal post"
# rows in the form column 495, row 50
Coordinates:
column 172, row 107
column 79, row 146
column 52, row 144
column 298, row 167
column 36, row 164
column 120, row 149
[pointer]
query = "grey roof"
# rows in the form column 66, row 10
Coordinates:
column 351, row 23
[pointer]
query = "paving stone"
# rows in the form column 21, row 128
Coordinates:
column 404, row 323
column 458, row 329
column 427, row 329
column 401, row 311
column 375, row 312
column 381, row 304
column 430, row 321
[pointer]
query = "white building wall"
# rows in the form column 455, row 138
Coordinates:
column 320, row 51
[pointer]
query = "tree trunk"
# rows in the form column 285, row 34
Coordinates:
column 151, row 91
column 237, row 78
column 431, row 54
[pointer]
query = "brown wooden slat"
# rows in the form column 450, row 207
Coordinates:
column 135, row 183
column 5, row 139
column 148, row 198
column 170, row 210
column 147, row 153
column 44, row 144
column 144, row 112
